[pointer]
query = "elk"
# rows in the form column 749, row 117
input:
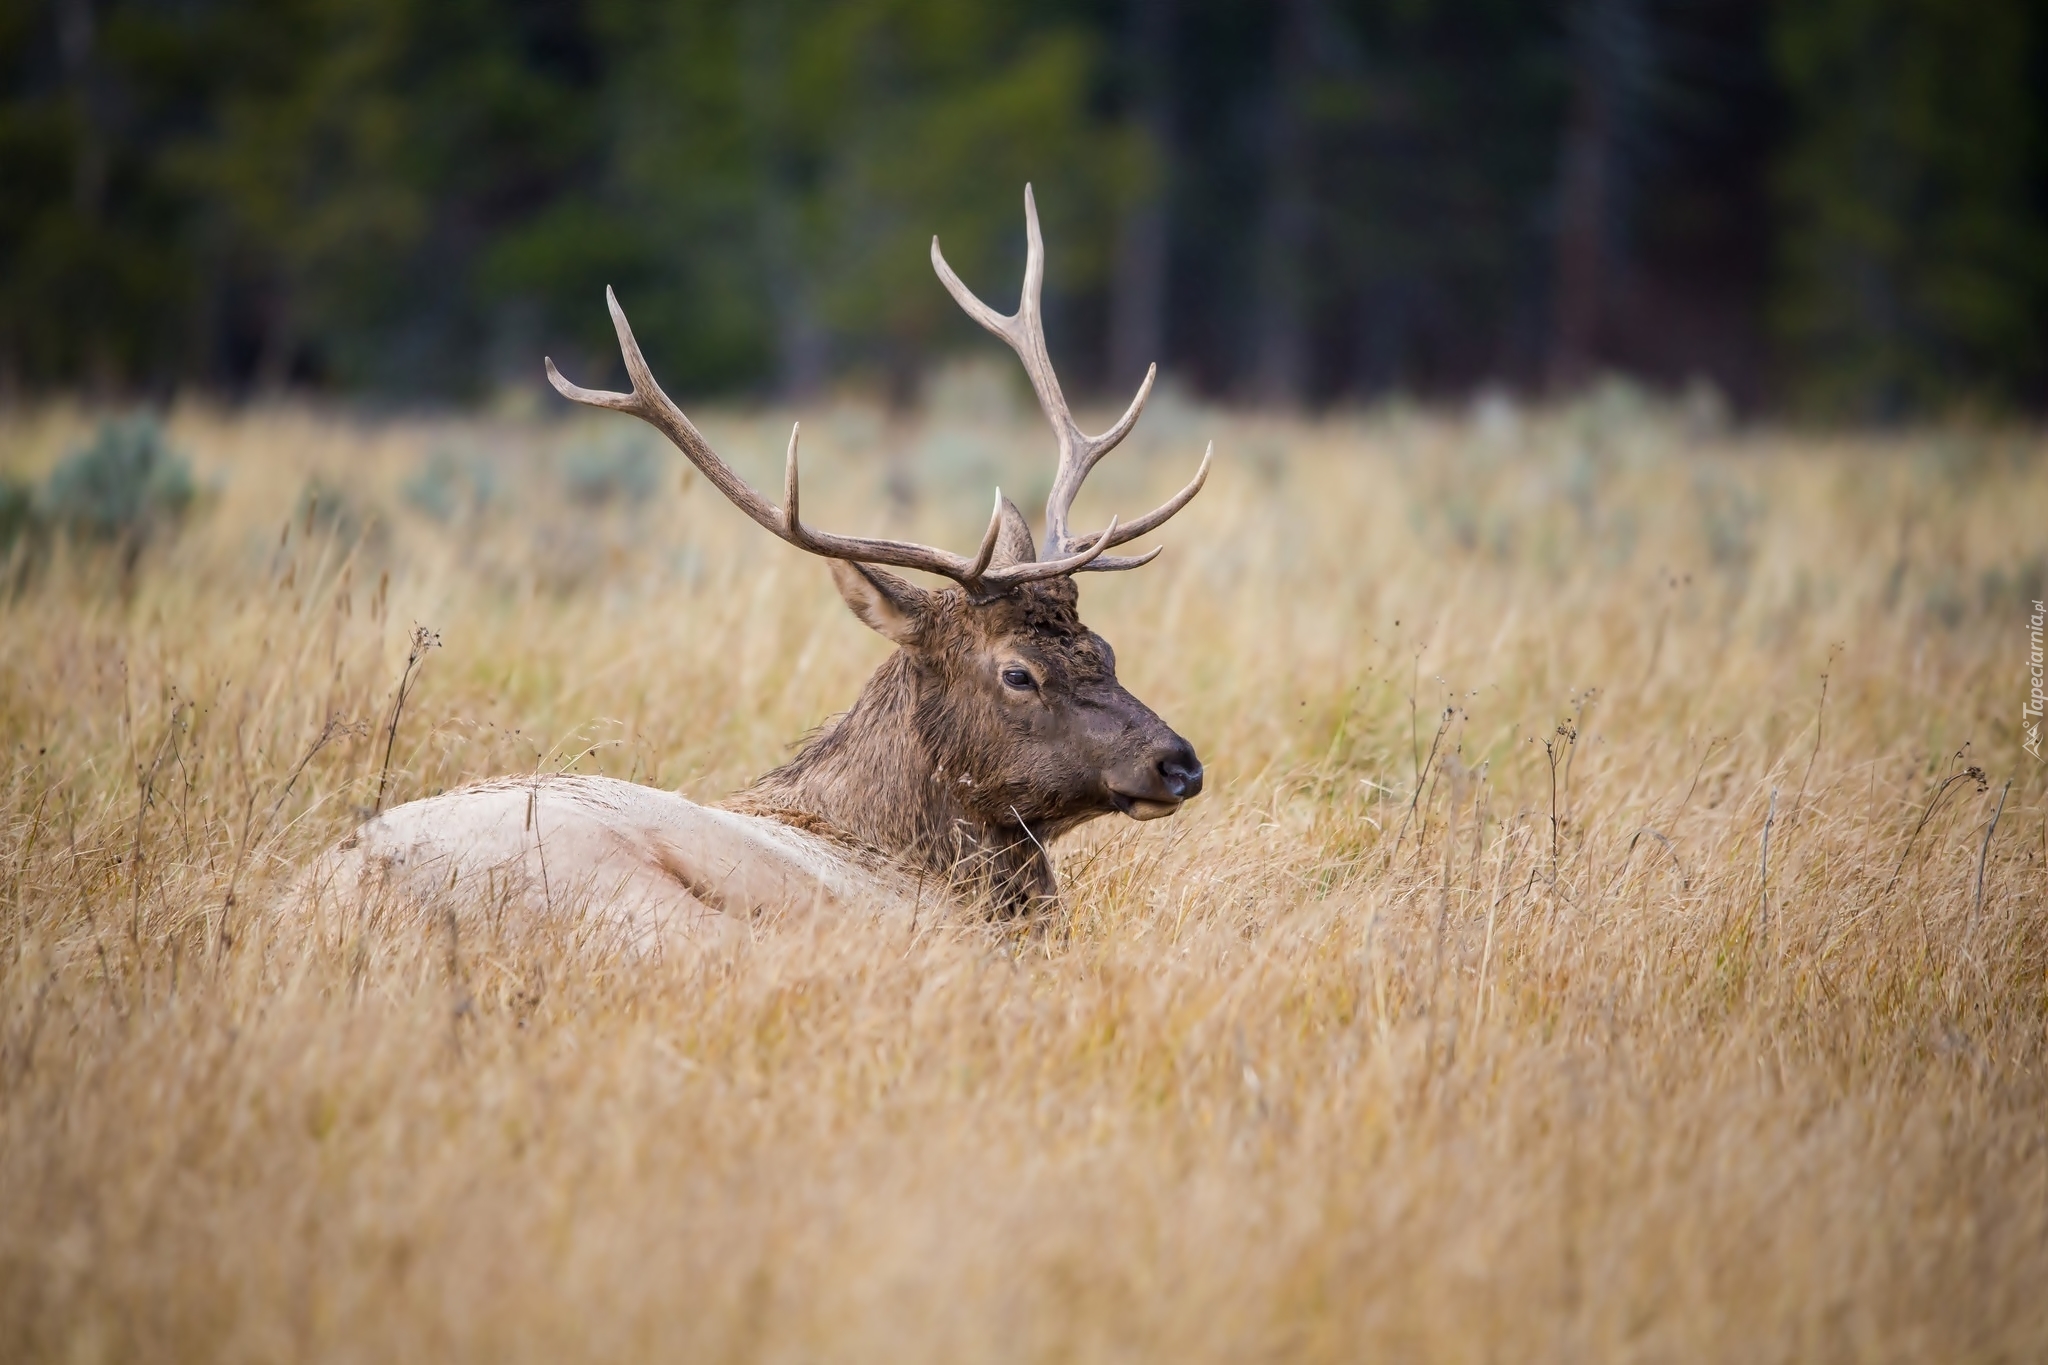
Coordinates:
column 996, row 726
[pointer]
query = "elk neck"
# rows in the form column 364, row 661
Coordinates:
column 882, row 774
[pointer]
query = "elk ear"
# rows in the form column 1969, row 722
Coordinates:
column 1013, row 541
column 888, row 605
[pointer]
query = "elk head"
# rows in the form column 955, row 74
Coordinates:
column 1017, row 704
column 1011, row 704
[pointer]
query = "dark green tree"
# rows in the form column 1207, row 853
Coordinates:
column 785, row 163
column 95, row 286
column 1303, row 201
column 1912, row 251
column 363, row 166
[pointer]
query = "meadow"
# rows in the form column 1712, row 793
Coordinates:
column 1615, row 927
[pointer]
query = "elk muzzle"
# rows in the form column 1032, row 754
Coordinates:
column 1154, row 786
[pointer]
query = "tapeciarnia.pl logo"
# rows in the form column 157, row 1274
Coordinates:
column 2030, row 714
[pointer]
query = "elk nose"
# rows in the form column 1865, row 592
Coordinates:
column 1181, row 771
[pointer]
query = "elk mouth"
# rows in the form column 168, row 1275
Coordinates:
column 1171, row 776
column 1142, row 807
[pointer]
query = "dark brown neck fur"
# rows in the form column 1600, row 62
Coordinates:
column 881, row 774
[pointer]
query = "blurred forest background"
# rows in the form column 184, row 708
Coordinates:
column 1829, row 207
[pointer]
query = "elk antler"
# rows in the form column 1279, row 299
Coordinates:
column 1024, row 330
column 657, row 409
column 1078, row 454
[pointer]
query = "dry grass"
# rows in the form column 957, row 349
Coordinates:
column 1434, row 1031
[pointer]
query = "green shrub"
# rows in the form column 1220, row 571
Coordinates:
column 17, row 512
column 125, row 486
column 621, row 469
column 451, row 486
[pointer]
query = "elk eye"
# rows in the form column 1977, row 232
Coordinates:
column 1020, row 678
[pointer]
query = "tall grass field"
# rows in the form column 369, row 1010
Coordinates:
column 1615, row 927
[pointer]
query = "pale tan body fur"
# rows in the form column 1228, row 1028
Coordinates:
column 644, row 867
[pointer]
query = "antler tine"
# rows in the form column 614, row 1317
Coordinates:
column 1059, row 503
column 987, row 551
column 1117, row 563
column 792, row 522
column 1099, row 446
column 971, row 305
column 658, row 410
column 596, row 398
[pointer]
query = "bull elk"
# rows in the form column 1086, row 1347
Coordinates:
column 995, row 727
